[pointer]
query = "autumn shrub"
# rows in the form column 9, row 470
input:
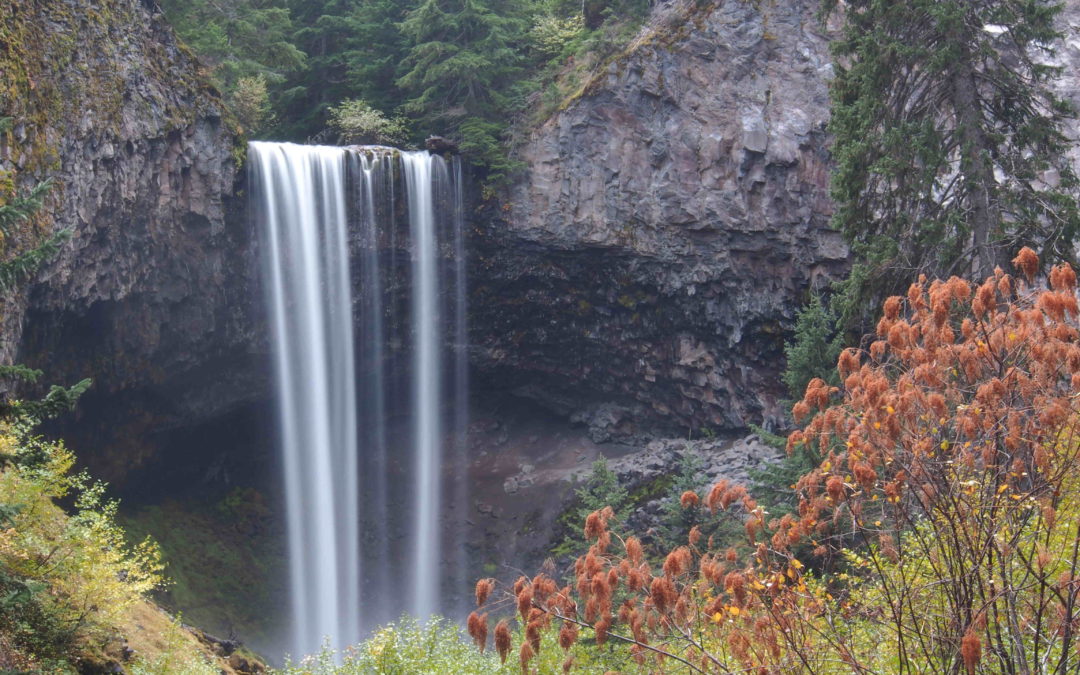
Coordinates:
column 66, row 579
column 942, row 519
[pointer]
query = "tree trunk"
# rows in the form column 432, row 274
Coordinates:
column 978, row 172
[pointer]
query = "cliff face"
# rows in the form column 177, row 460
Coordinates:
column 639, row 279
column 152, row 295
column 669, row 225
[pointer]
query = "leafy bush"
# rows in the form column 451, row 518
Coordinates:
column 435, row 648
column 251, row 104
column 66, row 579
column 355, row 121
column 942, row 516
column 554, row 37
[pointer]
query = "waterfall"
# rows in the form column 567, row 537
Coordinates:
column 426, row 387
column 367, row 310
column 303, row 209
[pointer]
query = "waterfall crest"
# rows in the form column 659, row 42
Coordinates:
column 364, row 262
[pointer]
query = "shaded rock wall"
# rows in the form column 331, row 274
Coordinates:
column 646, row 267
column 152, row 297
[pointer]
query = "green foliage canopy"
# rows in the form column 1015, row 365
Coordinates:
column 465, row 69
column 238, row 38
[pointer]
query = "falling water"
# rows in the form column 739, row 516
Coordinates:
column 426, row 376
column 303, row 212
column 460, row 396
column 369, row 178
column 350, row 484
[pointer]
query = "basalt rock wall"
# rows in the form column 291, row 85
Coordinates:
column 152, row 296
column 644, row 271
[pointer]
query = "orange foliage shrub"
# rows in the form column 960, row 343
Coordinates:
column 948, row 452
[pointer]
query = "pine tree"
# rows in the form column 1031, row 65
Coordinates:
column 16, row 209
column 948, row 140
column 461, row 69
column 238, row 39
column 601, row 488
column 323, row 32
column 813, row 349
column 375, row 52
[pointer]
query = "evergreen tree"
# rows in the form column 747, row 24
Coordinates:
column 599, row 490
column 20, row 256
column 238, row 38
column 247, row 46
column 324, row 31
column 376, row 50
column 461, row 69
column 676, row 520
column 15, row 210
column 814, row 348
column 948, row 140
column 457, row 68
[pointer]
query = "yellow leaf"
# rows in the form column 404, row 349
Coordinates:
column 734, row 610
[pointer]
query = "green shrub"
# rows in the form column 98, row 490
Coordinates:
column 355, row 121
column 438, row 647
column 65, row 579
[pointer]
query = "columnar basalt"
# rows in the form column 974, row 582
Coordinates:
column 150, row 298
column 646, row 267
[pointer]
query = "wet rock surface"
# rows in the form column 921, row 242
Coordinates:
column 719, row 458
